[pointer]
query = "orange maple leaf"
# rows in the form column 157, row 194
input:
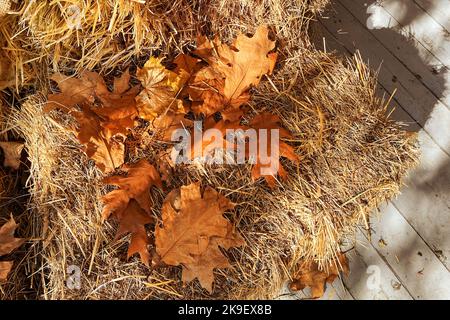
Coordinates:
column 131, row 204
column 270, row 121
column 193, row 229
column 102, row 115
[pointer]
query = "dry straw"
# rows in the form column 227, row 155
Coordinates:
column 352, row 159
column 87, row 34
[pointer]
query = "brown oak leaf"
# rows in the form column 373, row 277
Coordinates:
column 12, row 153
column 131, row 204
column 103, row 116
column 8, row 243
column 232, row 71
column 309, row 275
column 266, row 160
column 193, row 230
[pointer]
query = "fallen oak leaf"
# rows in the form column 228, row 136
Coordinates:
column 309, row 275
column 8, row 243
column 265, row 160
column 193, row 228
column 12, row 153
column 88, row 88
column 203, row 146
column 232, row 71
column 210, row 259
column 131, row 204
column 248, row 64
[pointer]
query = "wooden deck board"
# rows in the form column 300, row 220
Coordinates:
column 418, row 268
column 426, row 74
column 371, row 278
column 412, row 21
column 416, row 225
column 437, row 10
column 413, row 97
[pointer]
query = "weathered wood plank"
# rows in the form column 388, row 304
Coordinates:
column 412, row 21
column 417, row 101
column 439, row 10
column 429, row 74
column 418, row 268
column 425, row 201
column 370, row 277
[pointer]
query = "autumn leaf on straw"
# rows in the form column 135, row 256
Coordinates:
column 309, row 275
column 232, row 70
column 193, row 230
column 203, row 147
column 269, row 122
column 103, row 117
column 131, row 204
column 12, row 153
column 160, row 89
column 159, row 101
column 8, row 243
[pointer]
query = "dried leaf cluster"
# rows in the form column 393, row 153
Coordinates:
column 212, row 84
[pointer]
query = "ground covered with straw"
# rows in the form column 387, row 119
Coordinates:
column 352, row 156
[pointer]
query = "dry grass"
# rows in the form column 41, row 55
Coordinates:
column 353, row 159
column 87, row 34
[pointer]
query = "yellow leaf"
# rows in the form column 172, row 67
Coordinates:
column 161, row 87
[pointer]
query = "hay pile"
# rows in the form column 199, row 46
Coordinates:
column 352, row 159
column 49, row 36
